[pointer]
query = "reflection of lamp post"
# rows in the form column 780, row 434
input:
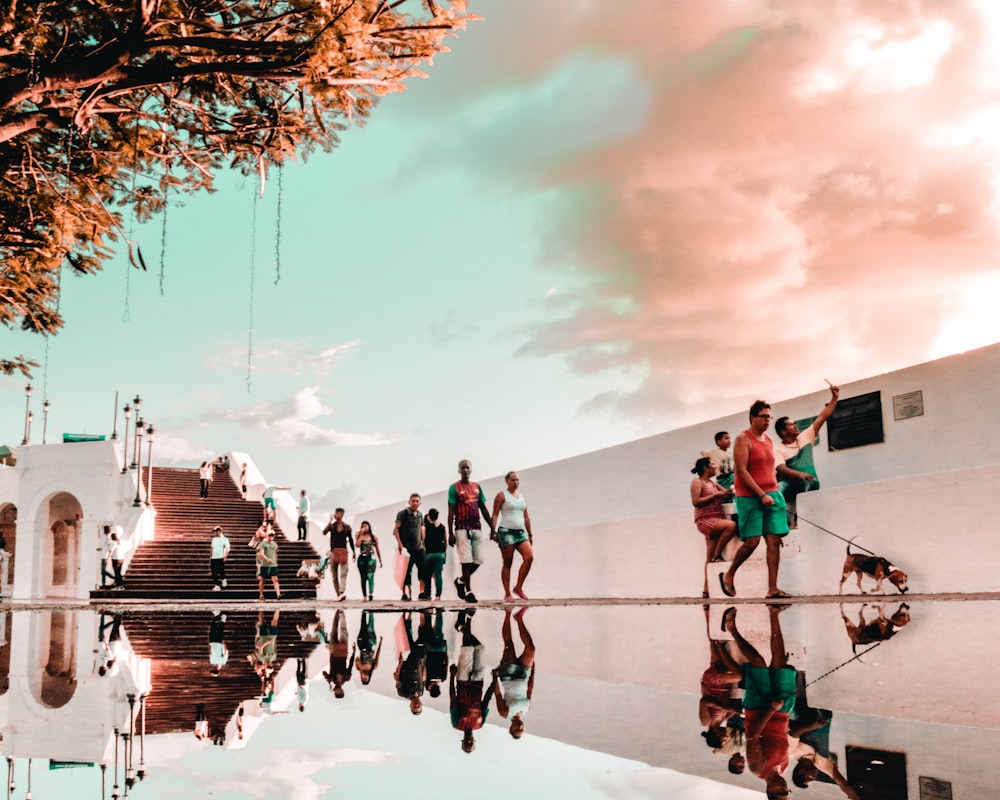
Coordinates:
column 28, row 795
column 137, row 403
column 114, row 789
column 127, row 411
column 27, row 407
column 10, row 776
column 45, row 419
column 138, row 455
column 150, row 435
column 142, row 738
column 130, row 745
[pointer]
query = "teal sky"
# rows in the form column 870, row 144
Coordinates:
column 580, row 229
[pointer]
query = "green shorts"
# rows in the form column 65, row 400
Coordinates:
column 757, row 519
column 764, row 685
column 269, row 502
column 269, row 572
column 510, row 538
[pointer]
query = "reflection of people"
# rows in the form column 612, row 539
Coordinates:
column 718, row 705
column 466, row 502
column 301, row 683
column 369, row 648
column 514, row 534
column 469, row 703
column 218, row 653
column 793, row 454
column 769, row 697
column 340, row 668
column 436, row 650
column 409, row 534
column 265, row 653
column 707, row 497
column 759, row 504
column 514, row 678
column 411, row 672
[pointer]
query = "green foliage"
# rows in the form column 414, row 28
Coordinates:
column 107, row 108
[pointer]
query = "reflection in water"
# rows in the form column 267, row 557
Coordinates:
column 289, row 703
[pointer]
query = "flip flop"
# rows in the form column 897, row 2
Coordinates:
column 726, row 590
column 778, row 595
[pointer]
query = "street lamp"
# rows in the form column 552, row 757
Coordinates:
column 114, row 431
column 31, row 418
column 150, row 435
column 127, row 411
column 27, row 406
column 138, row 454
column 45, row 419
column 142, row 738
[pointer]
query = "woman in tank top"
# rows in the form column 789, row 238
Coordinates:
column 514, row 533
column 707, row 498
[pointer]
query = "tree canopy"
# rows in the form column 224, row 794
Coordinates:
column 108, row 107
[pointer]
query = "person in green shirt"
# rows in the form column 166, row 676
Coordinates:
column 267, row 563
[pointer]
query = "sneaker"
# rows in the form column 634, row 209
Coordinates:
column 460, row 588
column 470, row 597
column 216, row 588
column 225, row 583
column 520, row 593
column 370, row 598
column 424, row 596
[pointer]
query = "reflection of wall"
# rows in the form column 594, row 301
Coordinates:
column 53, row 682
column 58, row 707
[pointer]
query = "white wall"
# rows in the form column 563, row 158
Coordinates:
column 618, row 521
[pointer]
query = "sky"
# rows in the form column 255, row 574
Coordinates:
column 590, row 223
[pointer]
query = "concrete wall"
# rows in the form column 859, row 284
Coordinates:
column 618, row 521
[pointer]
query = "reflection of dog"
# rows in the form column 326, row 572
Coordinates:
column 879, row 629
column 313, row 569
column 880, row 569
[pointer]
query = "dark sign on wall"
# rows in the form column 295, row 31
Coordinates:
column 856, row 421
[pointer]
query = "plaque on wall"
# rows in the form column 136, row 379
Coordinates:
column 908, row 405
column 856, row 421
column 933, row 789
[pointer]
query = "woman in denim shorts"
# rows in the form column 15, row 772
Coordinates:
column 514, row 533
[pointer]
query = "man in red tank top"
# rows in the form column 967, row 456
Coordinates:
column 759, row 505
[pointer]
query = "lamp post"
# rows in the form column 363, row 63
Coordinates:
column 127, row 411
column 27, row 411
column 31, row 418
column 45, row 419
column 136, row 455
column 150, row 435
column 114, row 432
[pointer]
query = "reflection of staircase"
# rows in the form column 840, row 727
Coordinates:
column 175, row 565
column 177, row 644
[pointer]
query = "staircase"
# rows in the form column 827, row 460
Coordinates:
column 180, row 677
column 176, row 564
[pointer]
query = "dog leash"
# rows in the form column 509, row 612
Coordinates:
column 836, row 535
column 854, row 658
